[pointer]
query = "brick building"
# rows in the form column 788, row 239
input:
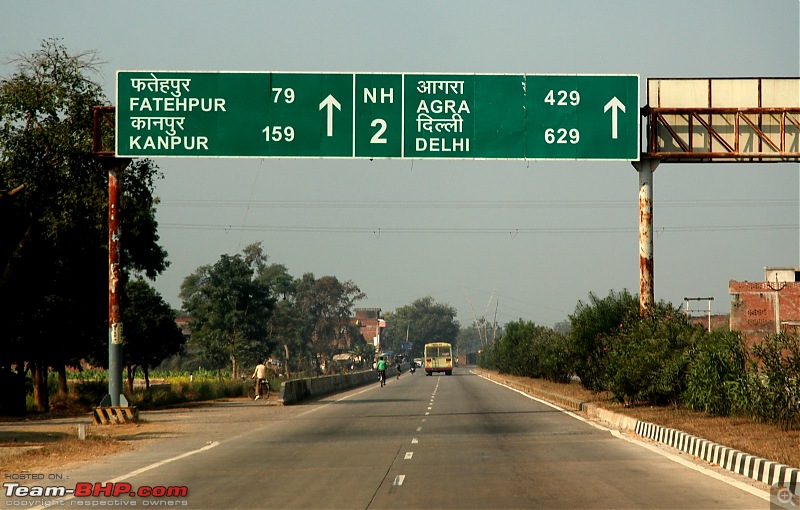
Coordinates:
column 183, row 322
column 759, row 309
column 713, row 322
column 371, row 325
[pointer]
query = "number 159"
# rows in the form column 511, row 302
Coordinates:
column 278, row 133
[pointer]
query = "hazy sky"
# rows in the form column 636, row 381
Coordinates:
column 522, row 239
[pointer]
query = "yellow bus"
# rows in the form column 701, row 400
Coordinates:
column 438, row 358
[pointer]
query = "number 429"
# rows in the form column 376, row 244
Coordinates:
column 563, row 98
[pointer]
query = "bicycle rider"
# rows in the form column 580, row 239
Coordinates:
column 260, row 375
column 381, row 366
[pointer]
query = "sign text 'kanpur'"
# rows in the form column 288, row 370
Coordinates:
column 375, row 115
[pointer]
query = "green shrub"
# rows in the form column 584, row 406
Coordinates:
column 88, row 388
column 555, row 361
column 514, row 354
column 526, row 349
column 592, row 326
column 774, row 380
column 647, row 362
column 204, row 390
column 486, row 357
column 89, row 393
column 164, row 396
column 716, row 376
column 232, row 389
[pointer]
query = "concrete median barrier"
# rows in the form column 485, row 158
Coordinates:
column 297, row 390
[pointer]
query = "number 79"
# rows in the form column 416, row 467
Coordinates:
column 287, row 93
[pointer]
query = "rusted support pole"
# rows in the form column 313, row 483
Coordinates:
column 115, row 398
column 114, row 272
column 103, row 118
column 646, row 167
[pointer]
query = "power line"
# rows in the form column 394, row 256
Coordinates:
column 475, row 204
column 513, row 232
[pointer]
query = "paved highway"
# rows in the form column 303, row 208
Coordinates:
column 420, row 442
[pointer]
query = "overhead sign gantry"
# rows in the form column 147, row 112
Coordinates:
column 723, row 120
column 377, row 115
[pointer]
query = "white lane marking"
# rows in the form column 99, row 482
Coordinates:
column 671, row 456
column 419, row 429
column 415, row 440
column 680, row 460
column 408, row 455
column 398, row 480
column 369, row 388
column 568, row 413
column 139, row 471
column 165, row 461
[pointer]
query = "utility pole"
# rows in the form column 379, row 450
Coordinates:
column 708, row 299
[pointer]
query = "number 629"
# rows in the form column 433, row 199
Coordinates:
column 562, row 135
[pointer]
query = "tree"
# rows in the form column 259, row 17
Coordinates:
column 471, row 338
column 54, row 234
column 150, row 334
column 327, row 305
column 230, row 306
column 421, row 322
column 141, row 252
column 285, row 325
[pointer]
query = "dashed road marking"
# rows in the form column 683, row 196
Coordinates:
column 408, row 455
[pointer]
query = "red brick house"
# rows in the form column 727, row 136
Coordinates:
column 759, row 309
column 371, row 325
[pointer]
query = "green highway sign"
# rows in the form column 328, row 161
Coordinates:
column 377, row 115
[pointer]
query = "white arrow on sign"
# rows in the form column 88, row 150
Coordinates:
column 614, row 104
column 330, row 102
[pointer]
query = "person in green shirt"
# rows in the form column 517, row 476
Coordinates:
column 381, row 366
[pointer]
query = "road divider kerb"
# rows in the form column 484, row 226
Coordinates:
column 755, row 468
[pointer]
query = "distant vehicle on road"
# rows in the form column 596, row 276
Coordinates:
column 438, row 358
